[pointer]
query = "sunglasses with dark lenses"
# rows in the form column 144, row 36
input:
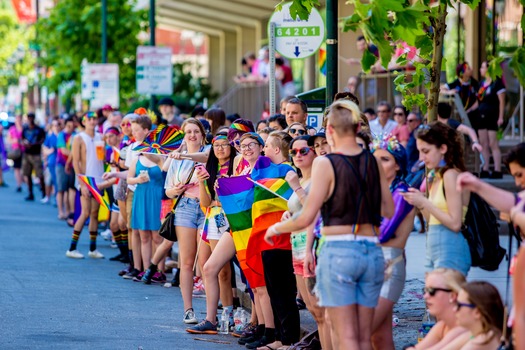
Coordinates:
column 298, row 131
column 128, row 124
column 459, row 305
column 432, row 291
column 236, row 143
column 302, row 151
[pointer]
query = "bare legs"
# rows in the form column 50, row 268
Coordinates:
column 317, row 312
column 223, row 251
column 382, row 337
column 187, row 250
column 489, row 141
column 351, row 326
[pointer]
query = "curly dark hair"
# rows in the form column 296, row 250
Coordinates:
column 439, row 134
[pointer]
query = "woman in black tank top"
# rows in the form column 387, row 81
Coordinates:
column 351, row 191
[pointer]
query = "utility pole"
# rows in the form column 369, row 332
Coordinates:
column 152, row 41
column 104, row 31
column 331, row 50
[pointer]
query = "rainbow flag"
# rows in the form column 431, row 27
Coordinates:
column 322, row 61
column 95, row 192
column 236, row 197
column 267, row 209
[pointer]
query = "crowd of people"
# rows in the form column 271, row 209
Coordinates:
column 338, row 246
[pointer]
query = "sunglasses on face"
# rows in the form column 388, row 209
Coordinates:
column 302, row 151
column 432, row 291
column 411, row 120
column 236, row 143
column 459, row 305
column 128, row 124
column 298, row 131
column 383, row 111
column 399, row 114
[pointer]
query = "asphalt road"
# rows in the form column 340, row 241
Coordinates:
column 48, row 301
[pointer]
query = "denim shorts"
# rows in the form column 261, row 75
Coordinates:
column 448, row 249
column 188, row 213
column 395, row 281
column 349, row 272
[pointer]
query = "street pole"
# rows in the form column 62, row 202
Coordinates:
column 152, row 41
column 104, row 31
column 38, row 101
column 331, row 50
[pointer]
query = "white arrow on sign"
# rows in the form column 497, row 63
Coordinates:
column 295, row 38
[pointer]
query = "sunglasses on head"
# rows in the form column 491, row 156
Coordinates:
column 432, row 291
column 298, row 131
column 302, row 151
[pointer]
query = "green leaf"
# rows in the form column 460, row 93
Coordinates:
column 368, row 60
column 517, row 63
column 471, row 3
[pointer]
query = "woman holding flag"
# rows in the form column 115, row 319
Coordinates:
column 220, row 164
column 350, row 189
column 182, row 180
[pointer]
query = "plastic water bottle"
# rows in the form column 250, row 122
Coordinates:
column 237, row 318
column 245, row 318
column 427, row 324
column 224, row 323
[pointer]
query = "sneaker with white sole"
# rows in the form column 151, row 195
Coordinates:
column 189, row 317
column 107, row 235
column 96, row 255
column 74, row 254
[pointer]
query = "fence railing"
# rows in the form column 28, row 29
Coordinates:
column 248, row 99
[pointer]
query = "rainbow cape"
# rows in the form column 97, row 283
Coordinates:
column 267, row 209
column 89, row 181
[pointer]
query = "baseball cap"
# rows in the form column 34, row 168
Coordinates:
column 311, row 140
column 166, row 101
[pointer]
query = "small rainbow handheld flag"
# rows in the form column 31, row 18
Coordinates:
column 89, row 181
column 322, row 61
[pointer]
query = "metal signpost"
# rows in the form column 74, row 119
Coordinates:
column 295, row 39
column 154, row 70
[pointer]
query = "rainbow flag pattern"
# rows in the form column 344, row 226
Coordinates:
column 251, row 209
column 163, row 140
column 322, row 61
column 267, row 209
column 89, row 181
column 236, row 197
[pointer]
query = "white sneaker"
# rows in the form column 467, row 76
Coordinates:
column 44, row 200
column 96, row 255
column 107, row 234
column 189, row 317
column 74, row 254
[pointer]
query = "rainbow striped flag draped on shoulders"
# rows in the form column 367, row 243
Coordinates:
column 270, row 202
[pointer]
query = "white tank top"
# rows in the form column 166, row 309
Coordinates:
column 94, row 167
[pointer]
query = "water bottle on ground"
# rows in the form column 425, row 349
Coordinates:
column 224, row 322
column 245, row 318
column 237, row 318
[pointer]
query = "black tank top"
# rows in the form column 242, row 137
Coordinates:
column 356, row 198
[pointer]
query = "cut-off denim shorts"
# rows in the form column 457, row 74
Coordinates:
column 448, row 249
column 349, row 272
column 188, row 213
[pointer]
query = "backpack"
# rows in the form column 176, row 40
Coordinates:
column 481, row 229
